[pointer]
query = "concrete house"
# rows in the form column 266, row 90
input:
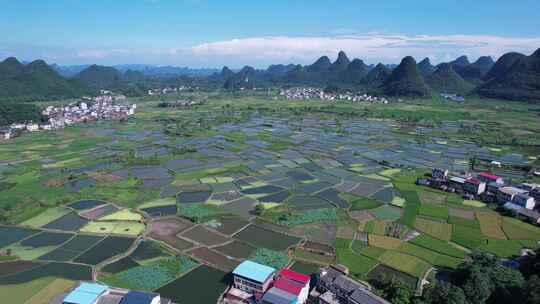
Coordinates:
column 493, row 187
column 335, row 287
column 278, row 296
column 294, row 283
column 86, row 293
column 530, row 215
column 487, row 177
column 474, row 186
column 536, row 194
column 139, row 297
column 524, row 201
column 457, row 182
column 5, row 134
column 32, row 127
column 506, row 194
column 438, row 173
column 252, row 277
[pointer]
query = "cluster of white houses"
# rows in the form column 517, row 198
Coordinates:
column 256, row 283
column 320, row 94
column 87, row 109
column 170, row 90
column 489, row 188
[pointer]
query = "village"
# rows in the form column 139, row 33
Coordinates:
column 520, row 199
column 320, row 94
column 251, row 283
column 101, row 107
column 170, row 90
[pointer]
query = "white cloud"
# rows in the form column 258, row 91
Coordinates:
column 260, row 51
column 370, row 47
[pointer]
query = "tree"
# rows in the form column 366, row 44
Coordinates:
column 507, row 284
column 531, row 290
column 444, row 293
column 397, row 292
column 259, row 208
column 478, row 287
column 531, row 265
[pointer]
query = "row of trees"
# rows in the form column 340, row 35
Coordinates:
column 483, row 280
column 11, row 112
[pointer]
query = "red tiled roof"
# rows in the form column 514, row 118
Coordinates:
column 289, row 286
column 295, row 276
column 489, row 176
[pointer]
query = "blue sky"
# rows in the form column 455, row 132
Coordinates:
column 204, row 33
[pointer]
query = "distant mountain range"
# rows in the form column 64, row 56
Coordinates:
column 514, row 77
column 146, row 69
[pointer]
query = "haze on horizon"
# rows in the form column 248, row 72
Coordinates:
column 204, row 33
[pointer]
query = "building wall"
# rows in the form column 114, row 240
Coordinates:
column 302, row 297
column 527, row 203
column 504, row 197
column 475, row 189
column 250, row 286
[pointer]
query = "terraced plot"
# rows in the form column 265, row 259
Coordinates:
column 404, row 262
column 10, row 235
column 72, row 248
column 490, row 225
column 166, row 230
column 261, row 237
column 301, row 202
column 200, row 234
column 214, row 258
column 104, row 250
column 46, row 217
column 236, row 249
column 69, row 222
column 202, row 285
column 442, row 231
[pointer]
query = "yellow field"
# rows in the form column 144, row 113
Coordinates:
column 52, row 290
column 404, row 262
column 116, row 227
column 490, row 225
column 122, row 215
column 442, row 231
column 383, row 241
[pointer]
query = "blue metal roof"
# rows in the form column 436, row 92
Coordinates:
column 277, row 296
column 254, row 271
column 138, row 297
column 86, row 293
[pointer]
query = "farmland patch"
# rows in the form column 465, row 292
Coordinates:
column 266, row 238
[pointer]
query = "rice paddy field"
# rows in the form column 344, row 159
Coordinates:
column 181, row 196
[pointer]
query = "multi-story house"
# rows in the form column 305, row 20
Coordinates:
column 524, row 201
column 487, row 177
column 335, row 287
column 506, row 194
column 253, row 278
column 438, row 173
column 474, row 186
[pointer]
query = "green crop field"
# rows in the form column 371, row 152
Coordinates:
column 383, row 242
column 404, row 262
column 435, row 211
column 439, row 246
column 246, row 175
column 442, row 231
column 46, row 217
column 467, row 236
